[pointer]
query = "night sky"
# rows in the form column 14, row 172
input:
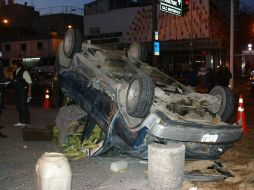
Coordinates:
column 79, row 3
column 51, row 3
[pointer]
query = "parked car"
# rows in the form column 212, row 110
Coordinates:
column 135, row 104
column 45, row 64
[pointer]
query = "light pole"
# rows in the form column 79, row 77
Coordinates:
column 232, row 43
column 154, row 29
column 4, row 22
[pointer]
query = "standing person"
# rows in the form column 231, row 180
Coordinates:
column 22, row 84
column 210, row 79
column 223, row 76
column 192, row 77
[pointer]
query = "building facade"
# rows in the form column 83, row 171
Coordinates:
column 26, row 34
column 201, row 36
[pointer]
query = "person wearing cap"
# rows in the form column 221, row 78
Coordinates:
column 22, row 84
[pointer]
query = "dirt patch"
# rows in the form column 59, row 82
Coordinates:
column 238, row 160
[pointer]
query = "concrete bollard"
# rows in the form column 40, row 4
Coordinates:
column 53, row 172
column 166, row 166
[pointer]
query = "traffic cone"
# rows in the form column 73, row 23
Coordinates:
column 241, row 117
column 46, row 103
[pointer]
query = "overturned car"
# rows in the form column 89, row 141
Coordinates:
column 135, row 104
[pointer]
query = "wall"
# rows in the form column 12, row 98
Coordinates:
column 50, row 48
column 110, row 22
column 136, row 23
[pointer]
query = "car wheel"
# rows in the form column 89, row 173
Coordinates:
column 140, row 96
column 72, row 42
column 61, row 60
column 137, row 51
column 227, row 98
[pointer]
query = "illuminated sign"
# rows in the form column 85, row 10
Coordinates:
column 156, row 48
column 171, row 6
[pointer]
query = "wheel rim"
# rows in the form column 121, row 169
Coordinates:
column 68, row 42
column 133, row 94
column 134, row 52
column 217, row 108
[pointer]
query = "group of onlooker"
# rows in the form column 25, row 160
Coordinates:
column 211, row 78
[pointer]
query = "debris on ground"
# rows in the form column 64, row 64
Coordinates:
column 119, row 166
column 73, row 147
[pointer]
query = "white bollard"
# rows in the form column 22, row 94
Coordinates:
column 53, row 172
column 166, row 166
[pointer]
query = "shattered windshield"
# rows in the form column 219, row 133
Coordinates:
column 161, row 79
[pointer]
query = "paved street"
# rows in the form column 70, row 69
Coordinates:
column 18, row 157
column 18, row 160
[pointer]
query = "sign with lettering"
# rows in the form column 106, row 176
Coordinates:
column 172, row 6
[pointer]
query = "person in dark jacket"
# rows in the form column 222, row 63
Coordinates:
column 192, row 77
column 210, row 79
column 223, row 76
column 22, row 84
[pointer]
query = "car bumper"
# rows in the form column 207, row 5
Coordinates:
column 164, row 128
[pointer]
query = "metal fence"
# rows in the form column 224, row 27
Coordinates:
column 61, row 9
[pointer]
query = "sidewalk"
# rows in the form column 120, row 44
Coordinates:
column 18, row 159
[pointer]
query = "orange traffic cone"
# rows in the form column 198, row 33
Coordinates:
column 46, row 103
column 241, row 118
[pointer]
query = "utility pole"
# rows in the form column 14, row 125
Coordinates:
column 154, row 29
column 232, row 43
column 192, row 59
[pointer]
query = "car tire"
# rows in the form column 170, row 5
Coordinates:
column 227, row 98
column 137, row 51
column 62, row 60
column 140, row 96
column 72, row 42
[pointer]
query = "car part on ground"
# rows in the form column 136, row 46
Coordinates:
column 136, row 104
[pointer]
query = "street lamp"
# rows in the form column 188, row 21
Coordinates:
column 250, row 47
column 5, row 21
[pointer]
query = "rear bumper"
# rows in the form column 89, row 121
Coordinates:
column 201, row 141
column 193, row 132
